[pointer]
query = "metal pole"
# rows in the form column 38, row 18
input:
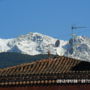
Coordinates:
column 73, row 35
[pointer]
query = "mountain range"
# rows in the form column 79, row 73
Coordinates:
column 36, row 43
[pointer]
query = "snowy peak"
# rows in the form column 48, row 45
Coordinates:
column 31, row 43
column 36, row 43
column 81, row 39
column 79, row 47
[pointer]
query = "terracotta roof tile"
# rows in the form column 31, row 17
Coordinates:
column 47, row 69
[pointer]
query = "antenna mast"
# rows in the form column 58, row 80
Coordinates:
column 73, row 35
column 74, row 28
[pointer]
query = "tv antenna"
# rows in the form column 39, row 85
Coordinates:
column 75, row 28
column 73, row 35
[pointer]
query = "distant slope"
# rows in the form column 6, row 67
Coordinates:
column 79, row 48
column 9, row 59
column 36, row 43
column 31, row 44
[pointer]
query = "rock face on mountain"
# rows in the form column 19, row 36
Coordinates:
column 79, row 48
column 32, row 44
column 36, row 43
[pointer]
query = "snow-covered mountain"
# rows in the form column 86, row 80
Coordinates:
column 32, row 44
column 79, row 48
column 36, row 43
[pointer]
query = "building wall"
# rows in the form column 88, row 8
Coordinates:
column 62, row 87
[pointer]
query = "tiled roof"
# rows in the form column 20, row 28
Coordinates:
column 52, row 70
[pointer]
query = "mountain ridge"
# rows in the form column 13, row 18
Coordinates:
column 36, row 43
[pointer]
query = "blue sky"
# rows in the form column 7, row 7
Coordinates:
column 50, row 17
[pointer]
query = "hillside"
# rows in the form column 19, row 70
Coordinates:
column 36, row 43
column 11, row 59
